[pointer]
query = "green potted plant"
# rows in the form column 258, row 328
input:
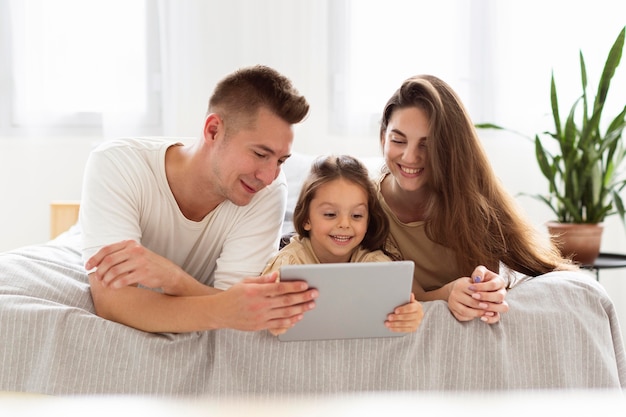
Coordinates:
column 584, row 176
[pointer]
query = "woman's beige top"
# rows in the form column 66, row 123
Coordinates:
column 435, row 265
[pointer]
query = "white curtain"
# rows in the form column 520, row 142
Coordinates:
column 346, row 56
column 202, row 41
column 78, row 63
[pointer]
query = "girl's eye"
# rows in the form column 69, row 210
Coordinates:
column 357, row 216
column 329, row 215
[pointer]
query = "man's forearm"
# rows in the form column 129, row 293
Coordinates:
column 152, row 311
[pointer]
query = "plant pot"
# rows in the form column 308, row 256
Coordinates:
column 578, row 241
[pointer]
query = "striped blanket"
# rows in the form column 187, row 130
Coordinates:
column 561, row 333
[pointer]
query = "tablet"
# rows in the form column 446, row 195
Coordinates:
column 354, row 298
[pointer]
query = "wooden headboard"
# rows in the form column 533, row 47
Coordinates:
column 63, row 215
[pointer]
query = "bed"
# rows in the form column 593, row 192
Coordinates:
column 561, row 333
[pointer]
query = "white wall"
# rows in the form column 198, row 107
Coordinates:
column 33, row 172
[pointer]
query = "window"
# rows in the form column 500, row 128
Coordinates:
column 497, row 55
column 79, row 64
column 377, row 45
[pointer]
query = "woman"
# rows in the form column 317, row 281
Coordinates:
column 448, row 211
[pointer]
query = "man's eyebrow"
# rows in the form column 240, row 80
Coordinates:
column 270, row 150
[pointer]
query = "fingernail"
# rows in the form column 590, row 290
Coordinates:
column 484, row 318
column 477, row 279
column 483, row 305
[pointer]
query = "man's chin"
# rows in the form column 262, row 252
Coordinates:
column 242, row 200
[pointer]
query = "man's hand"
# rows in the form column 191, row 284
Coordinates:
column 262, row 303
column 128, row 263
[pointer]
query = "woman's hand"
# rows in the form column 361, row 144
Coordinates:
column 406, row 318
column 479, row 296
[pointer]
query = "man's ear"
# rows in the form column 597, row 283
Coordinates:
column 212, row 126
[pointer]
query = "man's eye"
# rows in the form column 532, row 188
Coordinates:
column 260, row 155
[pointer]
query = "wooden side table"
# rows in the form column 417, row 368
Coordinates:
column 607, row 261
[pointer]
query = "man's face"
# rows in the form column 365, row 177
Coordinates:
column 249, row 159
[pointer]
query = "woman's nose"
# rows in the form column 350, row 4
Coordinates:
column 412, row 154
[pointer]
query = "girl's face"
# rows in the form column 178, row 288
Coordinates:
column 338, row 217
column 405, row 147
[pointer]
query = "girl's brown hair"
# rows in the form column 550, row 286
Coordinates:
column 330, row 168
column 469, row 211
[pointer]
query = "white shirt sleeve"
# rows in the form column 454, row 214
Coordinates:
column 109, row 203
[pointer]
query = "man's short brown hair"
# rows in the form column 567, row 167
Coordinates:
column 238, row 97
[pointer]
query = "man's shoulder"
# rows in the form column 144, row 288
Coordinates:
column 139, row 143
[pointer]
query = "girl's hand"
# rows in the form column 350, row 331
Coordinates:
column 406, row 318
column 480, row 296
column 276, row 332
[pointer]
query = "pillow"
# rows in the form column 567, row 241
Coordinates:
column 296, row 168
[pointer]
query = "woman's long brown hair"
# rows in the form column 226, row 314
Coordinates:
column 469, row 211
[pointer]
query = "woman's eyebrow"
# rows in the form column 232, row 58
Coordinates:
column 398, row 132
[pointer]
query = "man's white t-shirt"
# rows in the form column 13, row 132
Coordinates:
column 126, row 196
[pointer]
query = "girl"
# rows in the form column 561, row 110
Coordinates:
column 448, row 211
column 338, row 218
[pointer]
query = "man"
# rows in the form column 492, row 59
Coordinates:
column 175, row 236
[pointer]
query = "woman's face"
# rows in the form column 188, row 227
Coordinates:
column 405, row 147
